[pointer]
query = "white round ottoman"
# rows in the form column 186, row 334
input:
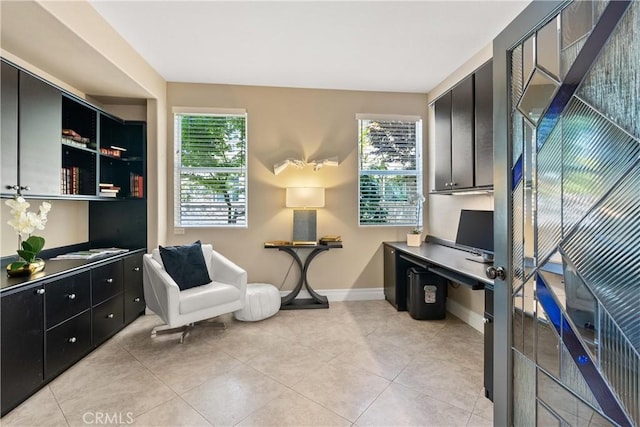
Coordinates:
column 262, row 301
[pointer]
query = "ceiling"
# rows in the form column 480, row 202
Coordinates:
column 355, row 45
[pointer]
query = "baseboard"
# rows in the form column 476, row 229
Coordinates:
column 471, row 318
column 358, row 294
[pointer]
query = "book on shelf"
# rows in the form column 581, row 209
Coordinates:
column 91, row 253
column 70, row 180
column 136, row 185
column 277, row 243
column 107, row 194
column 331, row 240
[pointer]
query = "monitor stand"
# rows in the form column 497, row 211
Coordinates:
column 481, row 259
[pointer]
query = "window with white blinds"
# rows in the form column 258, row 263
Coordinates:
column 210, row 169
column 390, row 170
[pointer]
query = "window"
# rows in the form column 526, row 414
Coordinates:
column 210, row 168
column 390, row 170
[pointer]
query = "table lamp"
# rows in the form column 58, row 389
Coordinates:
column 304, row 220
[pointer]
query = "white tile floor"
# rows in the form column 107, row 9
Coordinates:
column 355, row 364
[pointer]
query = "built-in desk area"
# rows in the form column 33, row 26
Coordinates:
column 442, row 259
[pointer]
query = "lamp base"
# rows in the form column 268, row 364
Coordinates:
column 304, row 226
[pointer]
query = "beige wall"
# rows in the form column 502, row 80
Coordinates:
column 309, row 124
column 443, row 211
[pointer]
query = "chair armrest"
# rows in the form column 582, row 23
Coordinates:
column 161, row 292
column 225, row 271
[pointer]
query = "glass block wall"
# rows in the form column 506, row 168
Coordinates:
column 575, row 135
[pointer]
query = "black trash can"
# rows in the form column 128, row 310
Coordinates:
column 427, row 295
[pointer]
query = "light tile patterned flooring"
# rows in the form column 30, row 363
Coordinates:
column 356, row 364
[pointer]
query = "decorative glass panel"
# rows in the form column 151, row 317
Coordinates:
column 572, row 378
column 528, row 58
column 546, row 418
column 517, row 324
column 596, row 153
column 524, row 375
column 577, row 22
column 529, row 318
column 517, row 135
column 516, row 76
column 549, row 196
column 548, row 47
column 529, row 198
column 518, row 236
column 547, row 344
column 612, row 85
column 537, row 96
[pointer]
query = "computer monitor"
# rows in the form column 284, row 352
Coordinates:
column 475, row 234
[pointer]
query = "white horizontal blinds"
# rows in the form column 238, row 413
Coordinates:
column 211, row 169
column 390, row 170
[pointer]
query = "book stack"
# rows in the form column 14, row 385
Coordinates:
column 108, row 190
column 71, row 137
column 331, row 240
column 136, row 184
column 111, row 152
column 70, row 180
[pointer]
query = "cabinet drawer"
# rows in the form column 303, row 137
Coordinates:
column 133, row 292
column 66, row 343
column 67, row 297
column 106, row 282
column 107, row 319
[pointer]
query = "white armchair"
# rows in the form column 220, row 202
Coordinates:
column 180, row 310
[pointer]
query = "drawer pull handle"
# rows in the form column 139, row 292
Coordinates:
column 72, row 296
column 110, row 316
column 40, row 291
column 136, row 269
column 72, row 340
column 109, row 280
column 136, row 299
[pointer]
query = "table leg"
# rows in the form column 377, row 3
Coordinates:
column 316, row 301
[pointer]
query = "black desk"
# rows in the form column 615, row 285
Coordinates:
column 447, row 262
column 316, row 301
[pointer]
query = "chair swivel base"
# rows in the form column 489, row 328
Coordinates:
column 185, row 329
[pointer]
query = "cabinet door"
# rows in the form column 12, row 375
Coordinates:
column 462, row 140
column 40, row 126
column 21, row 362
column 9, row 128
column 484, row 125
column 443, row 142
column 134, row 303
column 390, row 275
column 488, row 343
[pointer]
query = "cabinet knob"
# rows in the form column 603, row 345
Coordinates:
column 486, row 320
column 136, row 299
column 12, row 187
column 25, row 188
column 496, row 273
column 40, row 291
column 446, row 184
column 72, row 340
column 110, row 316
column 136, row 268
column 109, row 280
column 453, row 184
column 72, row 296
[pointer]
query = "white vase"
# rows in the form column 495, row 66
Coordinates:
column 414, row 239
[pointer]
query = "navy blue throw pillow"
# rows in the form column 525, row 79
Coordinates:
column 185, row 264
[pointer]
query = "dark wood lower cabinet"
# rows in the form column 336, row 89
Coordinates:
column 47, row 327
column 22, row 327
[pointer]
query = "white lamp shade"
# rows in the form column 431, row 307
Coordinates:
column 305, row 197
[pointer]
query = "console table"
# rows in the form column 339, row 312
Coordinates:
column 289, row 302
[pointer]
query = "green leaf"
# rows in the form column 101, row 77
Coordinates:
column 36, row 243
column 27, row 246
column 28, row 256
column 16, row 265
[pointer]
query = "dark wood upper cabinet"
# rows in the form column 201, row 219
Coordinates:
column 443, row 142
column 484, row 125
column 462, row 133
column 40, row 117
column 463, row 144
